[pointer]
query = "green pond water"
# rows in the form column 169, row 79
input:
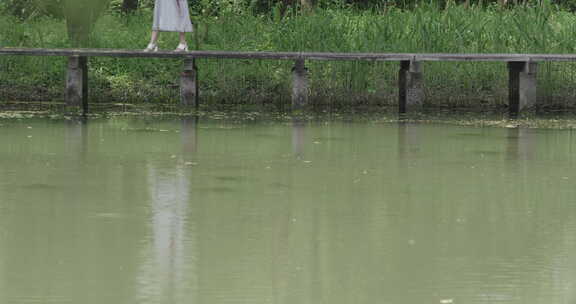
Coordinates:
column 180, row 210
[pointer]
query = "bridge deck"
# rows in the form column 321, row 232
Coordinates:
column 291, row 55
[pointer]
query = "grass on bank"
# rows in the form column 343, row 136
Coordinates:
column 455, row 29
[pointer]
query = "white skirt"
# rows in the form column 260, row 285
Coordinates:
column 172, row 16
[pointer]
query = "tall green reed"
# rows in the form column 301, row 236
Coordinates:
column 535, row 28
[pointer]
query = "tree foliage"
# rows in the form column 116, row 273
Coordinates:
column 26, row 9
column 129, row 6
column 81, row 15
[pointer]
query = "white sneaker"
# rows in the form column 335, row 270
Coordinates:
column 151, row 48
column 182, row 47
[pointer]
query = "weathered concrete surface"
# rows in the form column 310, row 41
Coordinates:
column 299, row 85
column 77, row 82
column 410, row 86
column 189, row 84
column 522, row 86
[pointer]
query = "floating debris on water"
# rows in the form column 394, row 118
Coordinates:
column 108, row 215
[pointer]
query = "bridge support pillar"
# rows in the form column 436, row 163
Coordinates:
column 189, row 84
column 411, row 86
column 77, row 82
column 521, row 86
column 299, row 85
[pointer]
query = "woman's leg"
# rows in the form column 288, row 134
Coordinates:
column 154, row 37
column 183, row 46
column 183, row 38
column 153, row 45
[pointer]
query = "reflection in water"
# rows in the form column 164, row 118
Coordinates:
column 520, row 144
column 567, row 280
column 189, row 134
column 3, row 243
column 166, row 277
column 441, row 213
column 298, row 137
column 408, row 140
column 169, row 274
column 76, row 136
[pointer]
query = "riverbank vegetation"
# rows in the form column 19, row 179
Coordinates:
column 446, row 27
